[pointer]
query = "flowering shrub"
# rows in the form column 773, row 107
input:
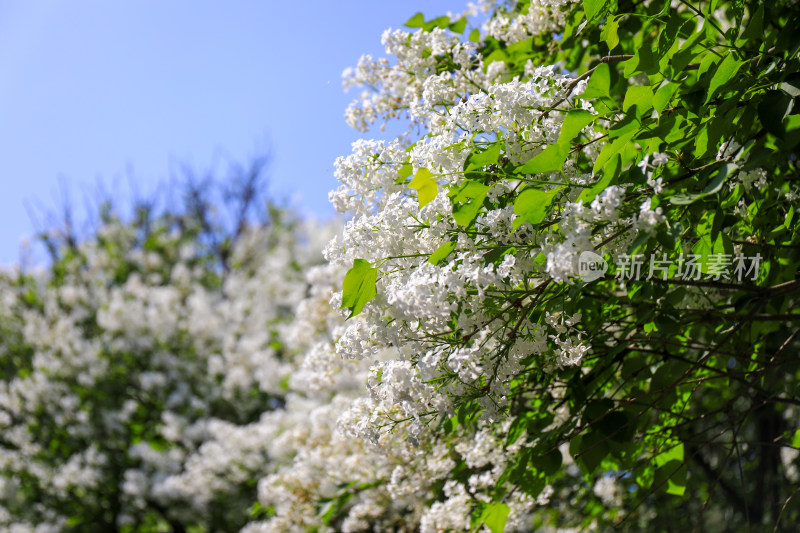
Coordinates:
column 557, row 139
column 565, row 299
column 144, row 378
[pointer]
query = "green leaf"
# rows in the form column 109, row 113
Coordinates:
column 712, row 131
column 616, row 425
column 609, row 32
column 756, row 25
column 640, row 96
column 599, row 82
column 467, row 201
column 532, row 205
column 548, row 463
column 706, row 247
column 643, row 61
column 438, row 22
column 494, row 517
column 327, row 510
column 478, row 160
column 796, row 439
column 716, row 184
column 590, row 449
column 664, row 95
column 589, row 194
column 475, row 35
column 672, row 453
column 594, row 8
column 672, row 478
column 708, row 61
column 677, row 482
column 667, row 39
column 405, row 170
column 459, row 26
column 425, row 185
column 517, row 428
column 417, row 21
column 441, row 252
column 359, row 286
column 532, row 485
column 628, row 124
column 574, row 122
column 550, row 159
column 687, row 51
column 612, row 149
column 497, row 55
column 685, row 198
column 726, row 70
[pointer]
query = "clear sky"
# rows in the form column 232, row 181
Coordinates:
column 123, row 92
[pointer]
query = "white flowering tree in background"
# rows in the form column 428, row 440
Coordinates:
column 146, row 374
column 564, row 300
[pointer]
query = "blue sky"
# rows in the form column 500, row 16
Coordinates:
column 126, row 92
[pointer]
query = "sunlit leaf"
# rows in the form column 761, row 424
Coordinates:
column 359, row 286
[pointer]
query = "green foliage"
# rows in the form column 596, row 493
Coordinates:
column 691, row 390
column 441, row 253
column 468, row 201
column 358, row 286
column 532, row 205
column 494, row 517
column 425, row 185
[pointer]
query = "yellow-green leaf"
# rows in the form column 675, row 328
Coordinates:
column 425, row 185
column 441, row 252
column 417, row 21
column 672, row 452
column 494, row 517
column 609, row 32
column 358, row 286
